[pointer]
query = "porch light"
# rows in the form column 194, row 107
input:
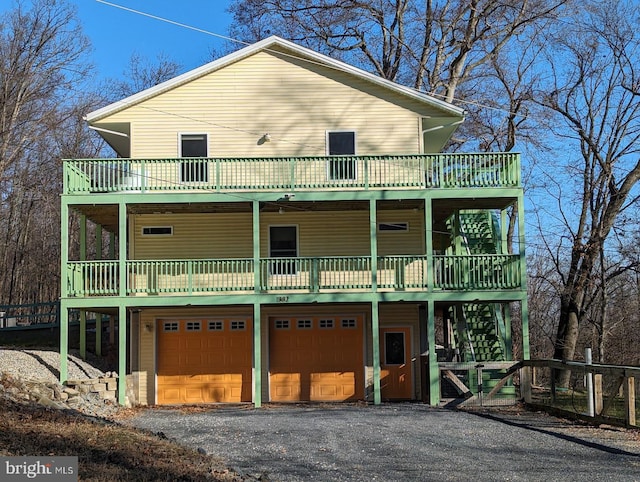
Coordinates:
column 281, row 210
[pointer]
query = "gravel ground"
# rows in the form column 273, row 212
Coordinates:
column 44, row 365
column 397, row 442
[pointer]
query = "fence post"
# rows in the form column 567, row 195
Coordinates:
column 630, row 400
column 589, row 382
column 597, row 392
column 525, row 383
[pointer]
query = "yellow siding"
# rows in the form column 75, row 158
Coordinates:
column 294, row 102
column 402, row 242
column 195, row 236
column 324, row 233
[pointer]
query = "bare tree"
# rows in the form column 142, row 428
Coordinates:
column 42, row 66
column 591, row 59
column 142, row 74
column 431, row 45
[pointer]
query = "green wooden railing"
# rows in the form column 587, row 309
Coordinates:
column 477, row 271
column 83, row 176
column 302, row 274
column 92, row 278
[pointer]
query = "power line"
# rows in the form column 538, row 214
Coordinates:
column 231, row 39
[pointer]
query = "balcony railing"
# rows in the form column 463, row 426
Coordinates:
column 84, row 176
column 301, row 274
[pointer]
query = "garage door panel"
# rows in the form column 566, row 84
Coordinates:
column 322, row 361
column 210, row 364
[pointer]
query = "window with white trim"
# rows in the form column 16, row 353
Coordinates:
column 304, row 324
column 169, row 326
column 215, row 326
column 341, row 143
column 283, row 243
column 326, row 324
column 193, row 326
column 349, row 323
column 238, row 325
column 281, row 324
column 157, row 230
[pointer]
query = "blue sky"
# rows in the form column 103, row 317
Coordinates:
column 116, row 33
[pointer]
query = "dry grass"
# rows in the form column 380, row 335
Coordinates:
column 106, row 450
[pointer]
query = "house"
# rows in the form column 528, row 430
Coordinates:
column 282, row 226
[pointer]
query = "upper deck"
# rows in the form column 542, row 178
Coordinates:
column 419, row 171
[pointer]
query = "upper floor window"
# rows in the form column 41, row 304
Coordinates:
column 341, row 143
column 194, row 145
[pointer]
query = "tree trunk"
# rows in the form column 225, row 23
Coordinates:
column 567, row 335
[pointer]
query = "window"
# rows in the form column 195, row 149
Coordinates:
column 394, row 348
column 283, row 243
column 170, row 326
column 349, row 323
column 215, row 326
column 157, row 231
column 237, row 325
column 194, row 146
column 326, row 324
column 304, row 324
column 342, row 143
column 281, row 324
column 393, row 226
column 193, row 326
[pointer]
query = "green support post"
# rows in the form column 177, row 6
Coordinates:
column 64, row 342
column 508, row 342
column 122, row 249
column 122, row 354
column 257, row 357
column 122, row 310
column 256, row 246
column 83, row 313
column 375, row 348
column 428, row 243
column 523, row 278
column 257, row 337
column 375, row 323
column 64, row 311
column 373, row 228
column 433, row 380
column 83, row 334
column 504, row 229
column 526, row 355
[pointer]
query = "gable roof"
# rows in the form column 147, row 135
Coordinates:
column 265, row 45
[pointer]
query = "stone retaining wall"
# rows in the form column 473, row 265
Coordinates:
column 105, row 388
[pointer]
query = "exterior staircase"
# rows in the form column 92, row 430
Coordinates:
column 479, row 328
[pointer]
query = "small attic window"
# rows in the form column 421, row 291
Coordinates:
column 398, row 227
column 157, row 231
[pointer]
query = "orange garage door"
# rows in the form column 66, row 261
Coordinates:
column 316, row 358
column 202, row 361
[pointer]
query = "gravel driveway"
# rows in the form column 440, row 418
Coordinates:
column 397, row 442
